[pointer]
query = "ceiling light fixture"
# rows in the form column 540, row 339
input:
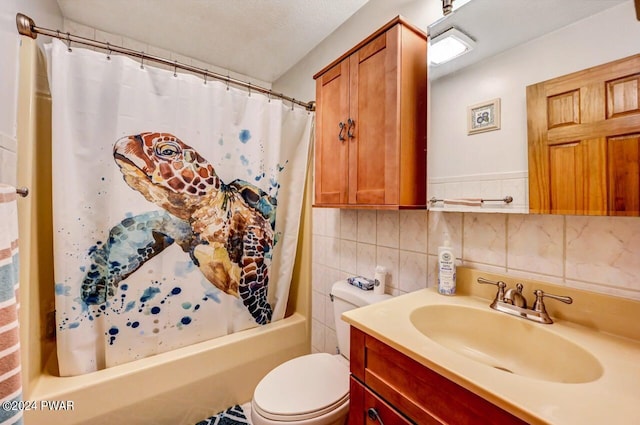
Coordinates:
column 447, row 6
column 449, row 45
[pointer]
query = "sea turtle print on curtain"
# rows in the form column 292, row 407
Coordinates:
column 227, row 229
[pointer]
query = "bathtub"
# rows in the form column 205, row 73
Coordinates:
column 182, row 386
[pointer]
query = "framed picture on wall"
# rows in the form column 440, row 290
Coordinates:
column 483, row 116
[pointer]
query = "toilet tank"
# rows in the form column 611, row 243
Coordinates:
column 346, row 297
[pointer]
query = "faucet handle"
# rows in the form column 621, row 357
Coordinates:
column 499, row 283
column 538, row 305
column 501, row 287
column 540, row 294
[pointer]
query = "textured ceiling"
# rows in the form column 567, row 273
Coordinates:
column 258, row 38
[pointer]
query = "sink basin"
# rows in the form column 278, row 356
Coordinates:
column 507, row 343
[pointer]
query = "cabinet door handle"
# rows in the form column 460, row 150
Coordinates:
column 340, row 135
column 374, row 416
column 352, row 124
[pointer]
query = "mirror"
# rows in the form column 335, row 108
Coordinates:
column 517, row 43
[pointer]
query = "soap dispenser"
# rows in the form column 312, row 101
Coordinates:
column 446, row 268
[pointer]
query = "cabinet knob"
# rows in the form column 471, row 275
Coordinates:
column 374, row 416
column 340, row 134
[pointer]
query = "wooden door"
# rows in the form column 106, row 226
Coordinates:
column 331, row 148
column 374, row 134
column 584, row 131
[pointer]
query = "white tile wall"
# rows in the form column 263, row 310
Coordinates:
column 536, row 244
column 412, row 271
column 389, row 258
column 484, row 238
column 388, row 229
column 603, row 250
column 8, row 160
column 413, row 231
column 365, row 259
column 367, row 226
column 600, row 254
column 348, row 224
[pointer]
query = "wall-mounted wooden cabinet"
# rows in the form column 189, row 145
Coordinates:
column 371, row 114
column 584, row 141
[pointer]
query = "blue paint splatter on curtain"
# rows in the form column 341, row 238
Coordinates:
column 148, row 294
column 149, row 303
column 61, row 289
column 244, row 136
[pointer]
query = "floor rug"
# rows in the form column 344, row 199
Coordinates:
column 235, row 415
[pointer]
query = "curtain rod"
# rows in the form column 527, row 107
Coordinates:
column 26, row 26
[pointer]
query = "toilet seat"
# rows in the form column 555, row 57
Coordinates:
column 284, row 394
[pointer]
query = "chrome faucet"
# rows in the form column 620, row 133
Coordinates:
column 512, row 301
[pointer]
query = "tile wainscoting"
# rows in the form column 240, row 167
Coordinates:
column 485, row 186
column 599, row 254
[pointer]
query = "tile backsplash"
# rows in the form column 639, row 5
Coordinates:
column 599, row 254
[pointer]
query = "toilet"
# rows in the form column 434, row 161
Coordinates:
column 313, row 389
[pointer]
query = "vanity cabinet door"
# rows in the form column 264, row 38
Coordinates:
column 417, row 392
column 584, row 141
column 362, row 400
column 370, row 147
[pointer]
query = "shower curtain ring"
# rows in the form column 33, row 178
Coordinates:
column 175, row 69
column 228, row 78
column 293, row 101
column 269, row 96
column 69, row 42
column 249, row 89
column 206, row 71
column 142, row 59
column 108, row 51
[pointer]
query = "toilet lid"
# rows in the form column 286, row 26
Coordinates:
column 305, row 387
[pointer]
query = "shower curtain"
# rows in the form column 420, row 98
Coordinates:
column 176, row 205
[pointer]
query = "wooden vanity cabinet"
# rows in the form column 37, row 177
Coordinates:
column 371, row 114
column 404, row 391
column 584, row 141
